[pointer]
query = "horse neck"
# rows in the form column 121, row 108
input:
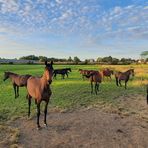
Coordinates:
column 44, row 80
column 128, row 73
column 12, row 75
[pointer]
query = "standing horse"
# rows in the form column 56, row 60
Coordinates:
column 119, row 76
column 39, row 89
column 17, row 81
column 95, row 77
column 107, row 73
column 63, row 72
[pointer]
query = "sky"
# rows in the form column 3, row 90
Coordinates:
column 83, row 28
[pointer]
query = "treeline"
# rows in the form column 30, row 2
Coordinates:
column 76, row 60
column 44, row 58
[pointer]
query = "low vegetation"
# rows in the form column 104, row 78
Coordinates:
column 70, row 93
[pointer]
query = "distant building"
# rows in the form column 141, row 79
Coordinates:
column 91, row 60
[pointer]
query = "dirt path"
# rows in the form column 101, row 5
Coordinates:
column 88, row 128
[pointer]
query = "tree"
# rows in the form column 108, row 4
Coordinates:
column 76, row 60
column 42, row 58
column 115, row 61
column 99, row 59
column 29, row 57
column 107, row 59
column 70, row 59
column 144, row 54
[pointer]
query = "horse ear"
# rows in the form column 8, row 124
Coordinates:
column 45, row 62
column 51, row 62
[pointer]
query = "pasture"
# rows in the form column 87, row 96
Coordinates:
column 72, row 94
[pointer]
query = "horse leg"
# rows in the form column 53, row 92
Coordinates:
column 120, row 83
column 126, row 84
column 29, row 105
column 91, row 87
column 83, row 77
column 38, row 115
column 117, row 81
column 45, row 113
column 14, row 86
column 96, row 88
column 110, row 78
column 17, row 91
column 67, row 75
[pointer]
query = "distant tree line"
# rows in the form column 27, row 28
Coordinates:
column 44, row 58
column 76, row 60
column 99, row 60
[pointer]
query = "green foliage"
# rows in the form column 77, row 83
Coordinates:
column 76, row 60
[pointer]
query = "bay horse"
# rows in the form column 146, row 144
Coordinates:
column 38, row 88
column 85, row 72
column 17, row 81
column 119, row 76
column 107, row 73
column 96, row 77
column 62, row 72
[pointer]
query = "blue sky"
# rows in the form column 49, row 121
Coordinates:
column 83, row 28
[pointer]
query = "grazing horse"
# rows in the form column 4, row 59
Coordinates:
column 85, row 72
column 63, row 72
column 119, row 76
column 39, row 89
column 17, row 81
column 95, row 77
column 107, row 73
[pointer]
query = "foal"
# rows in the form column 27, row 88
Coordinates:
column 39, row 89
column 17, row 81
column 95, row 77
column 119, row 76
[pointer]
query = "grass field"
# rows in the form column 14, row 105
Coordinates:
column 70, row 93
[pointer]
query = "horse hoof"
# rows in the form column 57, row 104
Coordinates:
column 45, row 125
column 39, row 127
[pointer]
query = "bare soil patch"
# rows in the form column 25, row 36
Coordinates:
column 89, row 128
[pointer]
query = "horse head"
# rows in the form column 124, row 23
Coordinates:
column 49, row 71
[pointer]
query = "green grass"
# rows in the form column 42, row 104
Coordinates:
column 70, row 93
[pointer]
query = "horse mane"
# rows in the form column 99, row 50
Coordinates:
column 8, row 72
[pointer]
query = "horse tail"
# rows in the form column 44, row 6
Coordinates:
column 147, row 92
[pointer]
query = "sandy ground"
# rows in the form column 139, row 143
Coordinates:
column 88, row 128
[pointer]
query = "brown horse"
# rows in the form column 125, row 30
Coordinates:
column 119, row 76
column 96, row 77
column 39, row 89
column 107, row 73
column 85, row 72
column 17, row 81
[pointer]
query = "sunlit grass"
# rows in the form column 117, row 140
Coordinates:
column 70, row 93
